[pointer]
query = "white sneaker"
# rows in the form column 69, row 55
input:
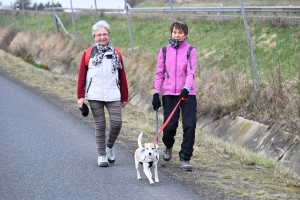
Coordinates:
column 102, row 161
column 110, row 153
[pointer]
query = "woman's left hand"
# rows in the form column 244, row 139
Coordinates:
column 123, row 104
column 80, row 102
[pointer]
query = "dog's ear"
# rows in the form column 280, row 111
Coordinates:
column 156, row 146
column 143, row 145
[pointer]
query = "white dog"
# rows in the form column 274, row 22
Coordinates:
column 146, row 155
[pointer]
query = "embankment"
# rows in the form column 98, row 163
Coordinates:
column 61, row 55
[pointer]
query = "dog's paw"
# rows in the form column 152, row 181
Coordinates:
column 139, row 178
column 156, row 180
column 151, row 182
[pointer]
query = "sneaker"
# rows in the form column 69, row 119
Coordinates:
column 110, row 153
column 167, row 154
column 102, row 161
column 186, row 166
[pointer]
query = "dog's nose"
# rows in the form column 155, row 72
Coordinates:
column 149, row 154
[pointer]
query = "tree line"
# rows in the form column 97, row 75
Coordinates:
column 18, row 4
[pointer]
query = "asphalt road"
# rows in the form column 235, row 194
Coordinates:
column 45, row 153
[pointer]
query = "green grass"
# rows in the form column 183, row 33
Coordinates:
column 146, row 3
column 221, row 45
column 242, row 192
column 226, row 176
column 33, row 63
column 155, row 3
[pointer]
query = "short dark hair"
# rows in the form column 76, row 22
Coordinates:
column 180, row 25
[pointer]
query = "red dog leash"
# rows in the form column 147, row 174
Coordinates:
column 169, row 118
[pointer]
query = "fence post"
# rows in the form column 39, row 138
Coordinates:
column 73, row 20
column 62, row 25
column 24, row 16
column 129, row 27
column 250, row 46
column 55, row 21
column 12, row 15
column 172, row 10
column 37, row 17
column 3, row 16
column 96, row 11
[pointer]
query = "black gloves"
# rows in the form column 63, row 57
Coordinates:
column 84, row 110
column 156, row 103
column 184, row 94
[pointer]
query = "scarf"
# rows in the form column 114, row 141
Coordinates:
column 174, row 43
column 99, row 56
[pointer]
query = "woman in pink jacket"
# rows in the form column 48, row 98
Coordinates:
column 174, row 80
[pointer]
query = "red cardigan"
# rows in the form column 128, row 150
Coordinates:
column 82, row 78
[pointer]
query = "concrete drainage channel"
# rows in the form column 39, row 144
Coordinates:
column 258, row 138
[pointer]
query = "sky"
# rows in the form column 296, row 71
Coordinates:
column 77, row 3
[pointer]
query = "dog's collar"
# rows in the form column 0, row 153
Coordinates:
column 147, row 159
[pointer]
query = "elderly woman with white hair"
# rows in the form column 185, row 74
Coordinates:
column 102, row 81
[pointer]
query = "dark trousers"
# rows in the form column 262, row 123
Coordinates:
column 188, row 112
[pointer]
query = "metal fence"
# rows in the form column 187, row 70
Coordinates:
column 225, row 10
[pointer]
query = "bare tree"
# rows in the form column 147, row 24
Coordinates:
column 21, row 2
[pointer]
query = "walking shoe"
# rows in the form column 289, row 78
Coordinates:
column 110, row 153
column 102, row 161
column 167, row 154
column 186, row 166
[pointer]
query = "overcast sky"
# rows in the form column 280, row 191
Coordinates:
column 77, row 3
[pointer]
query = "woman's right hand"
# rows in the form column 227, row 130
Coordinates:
column 80, row 102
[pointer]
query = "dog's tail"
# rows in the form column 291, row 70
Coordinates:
column 140, row 140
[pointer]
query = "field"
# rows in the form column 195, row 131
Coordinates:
column 225, row 84
column 158, row 3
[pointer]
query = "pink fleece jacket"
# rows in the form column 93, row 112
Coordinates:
column 178, row 68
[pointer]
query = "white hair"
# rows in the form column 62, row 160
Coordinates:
column 100, row 24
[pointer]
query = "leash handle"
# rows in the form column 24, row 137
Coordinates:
column 167, row 121
column 183, row 99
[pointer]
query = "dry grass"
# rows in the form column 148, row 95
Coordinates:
column 226, row 166
column 218, row 164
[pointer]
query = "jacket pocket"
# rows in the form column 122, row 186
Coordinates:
column 89, row 85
